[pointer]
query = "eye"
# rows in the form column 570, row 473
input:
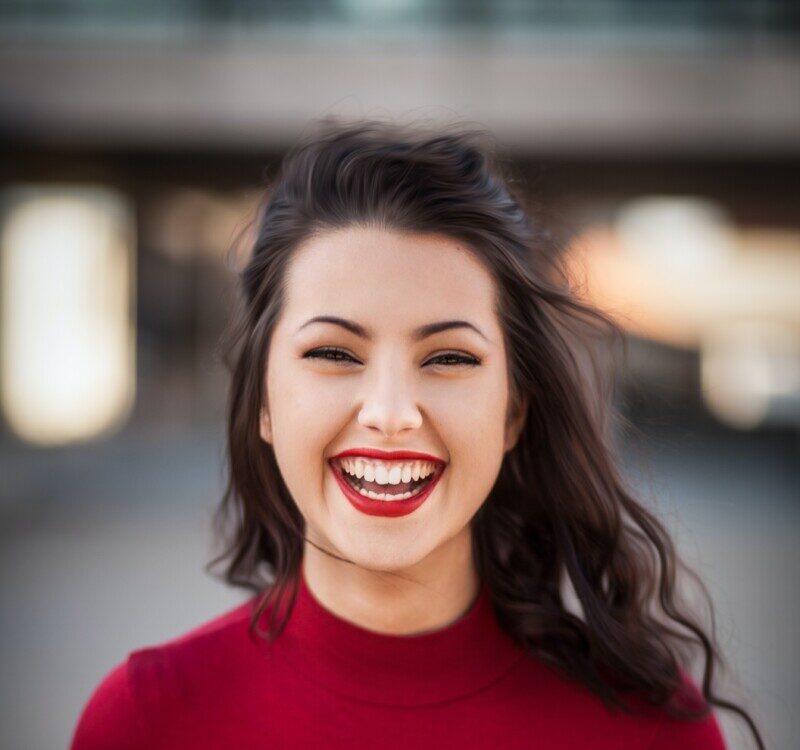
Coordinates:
column 455, row 359
column 337, row 355
column 449, row 359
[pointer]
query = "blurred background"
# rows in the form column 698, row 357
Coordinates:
column 135, row 141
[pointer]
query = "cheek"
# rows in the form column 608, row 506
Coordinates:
column 475, row 439
column 305, row 421
column 479, row 414
column 303, row 408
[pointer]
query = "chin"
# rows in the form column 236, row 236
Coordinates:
column 381, row 556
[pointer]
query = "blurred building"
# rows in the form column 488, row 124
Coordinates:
column 184, row 109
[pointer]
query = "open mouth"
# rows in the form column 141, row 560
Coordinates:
column 375, row 491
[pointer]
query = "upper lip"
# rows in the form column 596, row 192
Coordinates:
column 389, row 455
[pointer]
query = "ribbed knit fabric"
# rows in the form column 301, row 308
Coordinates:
column 328, row 683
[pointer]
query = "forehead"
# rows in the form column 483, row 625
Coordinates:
column 388, row 275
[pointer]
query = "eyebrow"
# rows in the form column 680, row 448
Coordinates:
column 417, row 334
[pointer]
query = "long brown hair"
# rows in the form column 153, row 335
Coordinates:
column 560, row 512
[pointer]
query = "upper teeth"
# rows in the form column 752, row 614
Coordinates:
column 387, row 472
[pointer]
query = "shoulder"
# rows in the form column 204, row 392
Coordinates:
column 569, row 711
column 109, row 717
column 702, row 733
column 699, row 734
column 691, row 734
column 114, row 715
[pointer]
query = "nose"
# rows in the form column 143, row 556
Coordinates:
column 389, row 403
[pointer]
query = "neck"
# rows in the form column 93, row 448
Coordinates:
column 430, row 595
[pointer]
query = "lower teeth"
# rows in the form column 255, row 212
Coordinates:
column 387, row 496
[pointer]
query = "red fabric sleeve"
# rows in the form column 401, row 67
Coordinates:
column 687, row 734
column 703, row 734
column 109, row 720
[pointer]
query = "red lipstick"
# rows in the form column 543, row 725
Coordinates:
column 390, row 508
column 389, row 455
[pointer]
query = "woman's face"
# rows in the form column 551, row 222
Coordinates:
column 388, row 391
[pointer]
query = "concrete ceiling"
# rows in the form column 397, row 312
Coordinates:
column 535, row 95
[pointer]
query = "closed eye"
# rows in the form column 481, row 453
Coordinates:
column 332, row 354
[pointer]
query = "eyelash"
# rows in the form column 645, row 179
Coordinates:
column 319, row 353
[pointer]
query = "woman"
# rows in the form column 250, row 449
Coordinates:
column 418, row 471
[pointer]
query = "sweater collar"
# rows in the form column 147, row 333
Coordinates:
column 380, row 668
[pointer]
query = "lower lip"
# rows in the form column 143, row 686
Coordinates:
column 384, row 507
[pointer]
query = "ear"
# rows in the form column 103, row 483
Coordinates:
column 515, row 424
column 265, row 426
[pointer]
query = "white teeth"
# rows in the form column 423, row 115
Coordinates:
column 387, row 472
column 388, row 498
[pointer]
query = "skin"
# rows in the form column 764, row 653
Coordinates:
column 413, row 573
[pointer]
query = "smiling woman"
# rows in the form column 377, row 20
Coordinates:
column 402, row 376
column 418, row 467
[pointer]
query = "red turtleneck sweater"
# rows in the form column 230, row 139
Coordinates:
column 326, row 682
